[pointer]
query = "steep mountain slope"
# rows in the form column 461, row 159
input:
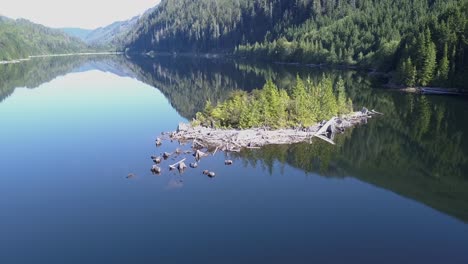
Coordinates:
column 368, row 33
column 21, row 38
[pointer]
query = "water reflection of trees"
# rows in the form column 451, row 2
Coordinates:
column 189, row 82
column 416, row 149
column 33, row 73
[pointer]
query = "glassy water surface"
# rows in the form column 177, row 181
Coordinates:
column 392, row 191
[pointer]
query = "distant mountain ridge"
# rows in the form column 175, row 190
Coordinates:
column 102, row 36
column 112, row 35
column 77, row 32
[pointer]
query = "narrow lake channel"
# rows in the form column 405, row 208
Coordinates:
column 394, row 190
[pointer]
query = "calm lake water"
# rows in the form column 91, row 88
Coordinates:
column 392, row 191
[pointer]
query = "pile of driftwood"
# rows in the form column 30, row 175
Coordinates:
column 233, row 140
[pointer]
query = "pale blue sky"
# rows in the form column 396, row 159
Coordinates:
column 88, row 14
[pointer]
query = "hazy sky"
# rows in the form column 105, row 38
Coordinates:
column 74, row 13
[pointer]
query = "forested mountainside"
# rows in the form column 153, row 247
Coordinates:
column 21, row 38
column 425, row 40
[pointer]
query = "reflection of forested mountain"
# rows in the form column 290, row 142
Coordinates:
column 189, row 82
column 34, row 72
column 416, row 149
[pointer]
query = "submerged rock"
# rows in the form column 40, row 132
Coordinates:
column 228, row 162
column 157, row 160
column 158, row 142
column 156, row 169
column 193, row 165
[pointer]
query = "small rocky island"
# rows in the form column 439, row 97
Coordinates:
column 273, row 116
column 234, row 140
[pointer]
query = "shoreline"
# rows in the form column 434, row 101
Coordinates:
column 234, row 140
column 59, row 55
column 426, row 90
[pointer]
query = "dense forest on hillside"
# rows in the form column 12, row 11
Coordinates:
column 21, row 38
column 382, row 34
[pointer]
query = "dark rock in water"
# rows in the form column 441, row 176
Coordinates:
column 130, row 175
column 211, row 174
column 206, row 172
column 193, row 165
column 157, row 160
column 166, row 155
column 158, row 142
column 199, row 154
column 156, row 169
column 228, row 162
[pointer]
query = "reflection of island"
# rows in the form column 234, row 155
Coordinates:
column 416, row 150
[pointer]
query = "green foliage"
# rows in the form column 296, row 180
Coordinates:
column 443, row 70
column 21, row 38
column 407, row 73
column 437, row 48
column 363, row 33
column 275, row 108
column 344, row 104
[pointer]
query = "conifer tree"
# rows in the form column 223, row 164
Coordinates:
column 328, row 106
column 443, row 70
column 409, row 73
column 341, row 98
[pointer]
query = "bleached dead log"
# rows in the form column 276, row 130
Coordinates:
column 174, row 166
column 325, row 138
column 182, row 166
column 324, row 128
